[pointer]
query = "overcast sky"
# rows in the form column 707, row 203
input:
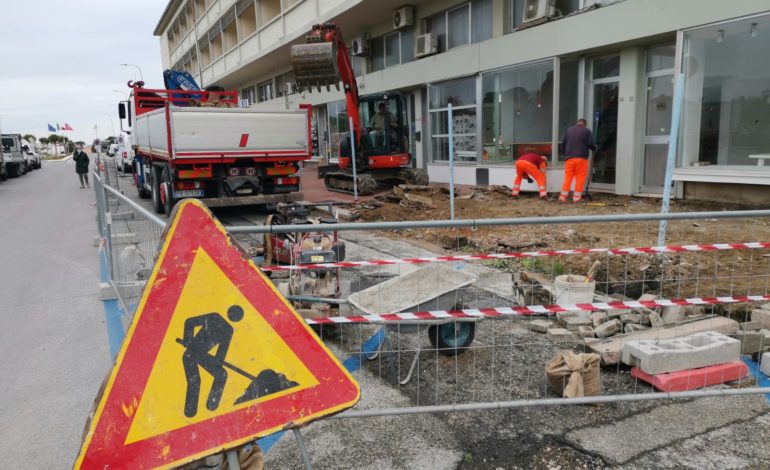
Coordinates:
column 60, row 62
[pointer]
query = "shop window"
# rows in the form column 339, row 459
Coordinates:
column 461, row 94
column 606, row 67
column 661, row 58
column 518, row 112
column 338, row 125
column 727, row 97
column 247, row 19
column 568, row 97
column 284, row 83
column 265, row 91
column 269, row 10
column 248, row 93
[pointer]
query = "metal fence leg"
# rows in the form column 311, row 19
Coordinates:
column 302, row 449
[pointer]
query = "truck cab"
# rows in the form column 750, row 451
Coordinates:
column 13, row 155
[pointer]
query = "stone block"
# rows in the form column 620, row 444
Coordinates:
column 647, row 297
column 560, row 335
column 751, row 341
column 124, row 238
column 540, row 326
column 751, row 325
column 761, row 316
column 585, row 332
column 631, row 327
column 597, row 318
column 631, row 318
column 672, row 314
column 764, row 364
column 574, row 323
column 655, row 320
column 608, row 328
column 683, row 353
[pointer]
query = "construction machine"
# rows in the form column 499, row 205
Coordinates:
column 380, row 132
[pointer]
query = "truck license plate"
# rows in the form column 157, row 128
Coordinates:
column 316, row 259
column 182, row 193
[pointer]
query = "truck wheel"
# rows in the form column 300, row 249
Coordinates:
column 166, row 192
column 451, row 339
column 157, row 205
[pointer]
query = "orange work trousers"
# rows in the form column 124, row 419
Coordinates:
column 523, row 168
column 575, row 168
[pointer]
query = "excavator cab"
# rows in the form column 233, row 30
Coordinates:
column 385, row 130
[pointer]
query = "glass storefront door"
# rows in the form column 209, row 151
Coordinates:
column 605, row 127
column 660, row 94
column 603, row 102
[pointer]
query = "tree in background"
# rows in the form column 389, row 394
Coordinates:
column 30, row 138
column 55, row 140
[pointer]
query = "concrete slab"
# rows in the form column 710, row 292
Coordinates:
column 764, row 364
column 688, row 352
column 608, row 328
column 761, row 316
column 540, row 326
column 621, row 441
column 610, row 350
column 560, row 335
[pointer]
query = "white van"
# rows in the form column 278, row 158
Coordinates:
column 124, row 157
column 113, row 150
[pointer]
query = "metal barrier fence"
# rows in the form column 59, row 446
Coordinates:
column 474, row 294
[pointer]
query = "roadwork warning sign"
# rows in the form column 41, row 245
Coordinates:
column 214, row 358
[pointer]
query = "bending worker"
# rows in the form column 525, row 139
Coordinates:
column 578, row 141
column 529, row 165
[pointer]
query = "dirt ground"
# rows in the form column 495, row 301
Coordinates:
column 672, row 275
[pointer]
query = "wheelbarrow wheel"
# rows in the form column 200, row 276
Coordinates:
column 451, row 339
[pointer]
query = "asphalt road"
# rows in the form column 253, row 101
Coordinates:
column 53, row 341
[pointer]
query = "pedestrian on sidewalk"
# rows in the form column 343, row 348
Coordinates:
column 577, row 143
column 81, row 166
column 530, row 165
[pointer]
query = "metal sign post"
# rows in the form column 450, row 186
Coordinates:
column 451, row 164
column 676, row 115
column 353, row 157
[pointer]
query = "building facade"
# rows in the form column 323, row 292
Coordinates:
column 516, row 83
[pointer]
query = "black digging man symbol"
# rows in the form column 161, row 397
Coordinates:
column 206, row 340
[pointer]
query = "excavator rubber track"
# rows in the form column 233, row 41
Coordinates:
column 368, row 182
column 342, row 182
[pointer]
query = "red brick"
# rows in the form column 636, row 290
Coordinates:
column 692, row 379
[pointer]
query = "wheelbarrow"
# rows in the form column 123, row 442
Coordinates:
column 433, row 287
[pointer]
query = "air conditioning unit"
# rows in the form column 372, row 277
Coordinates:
column 360, row 47
column 427, row 44
column 535, row 10
column 403, row 17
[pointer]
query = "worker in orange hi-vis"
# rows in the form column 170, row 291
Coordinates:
column 530, row 165
column 577, row 143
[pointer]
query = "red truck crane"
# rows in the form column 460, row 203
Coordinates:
column 382, row 148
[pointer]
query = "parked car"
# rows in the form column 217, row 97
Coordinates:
column 113, row 150
column 124, row 158
column 32, row 157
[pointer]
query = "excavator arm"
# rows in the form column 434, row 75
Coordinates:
column 324, row 61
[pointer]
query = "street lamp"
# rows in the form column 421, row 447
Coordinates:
column 137, row 67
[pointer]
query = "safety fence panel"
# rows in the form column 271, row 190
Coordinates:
column 471, row 315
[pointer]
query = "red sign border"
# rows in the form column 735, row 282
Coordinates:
column 194, row 227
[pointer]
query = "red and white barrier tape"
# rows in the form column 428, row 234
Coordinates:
column 530, row 310
column 529, row 254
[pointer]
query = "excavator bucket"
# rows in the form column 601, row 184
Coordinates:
column 315, row 65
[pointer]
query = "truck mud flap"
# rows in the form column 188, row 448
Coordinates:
column 270, row 199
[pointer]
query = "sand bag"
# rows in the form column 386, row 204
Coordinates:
column 574, row 375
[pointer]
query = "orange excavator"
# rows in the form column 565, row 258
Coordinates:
column 382, row 147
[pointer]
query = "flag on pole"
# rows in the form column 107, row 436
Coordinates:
column 51, row 128
column 67, row 127
column 57, row 127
